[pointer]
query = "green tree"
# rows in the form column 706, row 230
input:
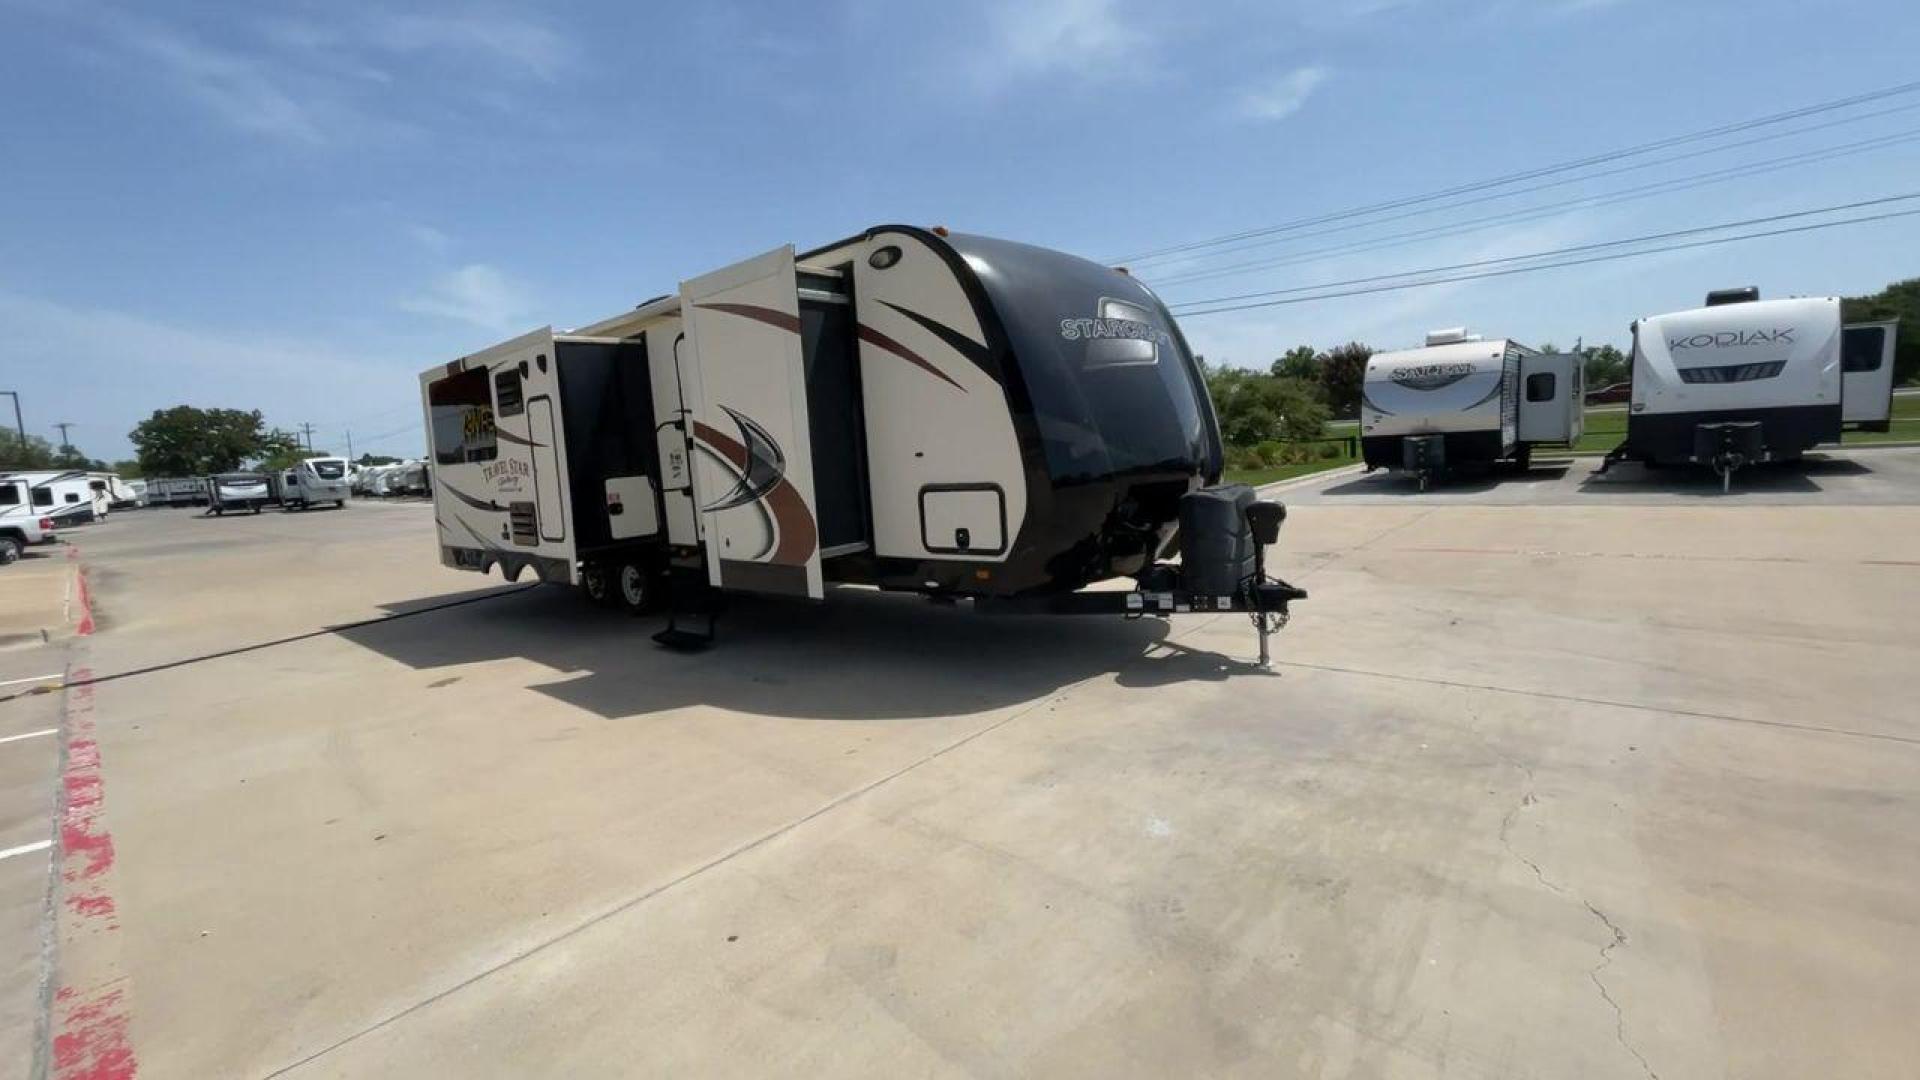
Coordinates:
column 286, row 457
column 1342, row 370
column 187, row 441
column 1257, row 408
column 34, row 453
column 384, row 459
column 1900, row 300
column 128, row 470
column 1300, row 362
column 1605, row 365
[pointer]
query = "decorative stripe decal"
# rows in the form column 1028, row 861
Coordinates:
column 470, row 500
column 503, row 433
column 1498, row 385
column 1371, row 404
column 881, row 341
column 798, row 536
column 977, row 354
column 778, row 319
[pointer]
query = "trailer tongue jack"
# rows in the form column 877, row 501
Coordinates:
column 1225, row 533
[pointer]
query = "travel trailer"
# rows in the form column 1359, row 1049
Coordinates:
column 314, row 480
column 139, row 490
column 119, row 494
column 238, row 491
column 66, row 495
column 1866, row 374
column 909, row 409
column 1462, row 400
column 176, row 491
column 1739, row 381
column 22, row 525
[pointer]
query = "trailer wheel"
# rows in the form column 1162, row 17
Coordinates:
column 635, row 587
column 9, row 550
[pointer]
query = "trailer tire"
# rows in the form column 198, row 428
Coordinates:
column 9, row 550
column 634, row 587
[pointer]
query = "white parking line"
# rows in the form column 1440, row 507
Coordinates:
column 31, row 678
column 25, row 849
column 29, row 735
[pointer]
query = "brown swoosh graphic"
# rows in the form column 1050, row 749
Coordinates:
column 798, row 536
column 780, row 319
column 881, row 341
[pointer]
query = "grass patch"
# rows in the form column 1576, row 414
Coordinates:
column 1257, row 477
column 1606, row 430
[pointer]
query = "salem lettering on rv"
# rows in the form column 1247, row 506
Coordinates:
column 1090, row 329
column 1730, row 338
column 1430, row 376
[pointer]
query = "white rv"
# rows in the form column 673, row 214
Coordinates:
column 1866, row 374
column 238, row 491
column 1463, row 400
column 66, row 495
column 119, row 494
column 944, row 414
column 314, row 480
column 1739, row 381
column 21, row 524
column 176, row 491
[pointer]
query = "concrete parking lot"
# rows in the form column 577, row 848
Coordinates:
column 1559, row 787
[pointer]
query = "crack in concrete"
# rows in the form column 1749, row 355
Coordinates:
column 1618, row 937
column 1619, row 1016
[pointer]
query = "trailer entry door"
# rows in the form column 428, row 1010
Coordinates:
column 755, row 456
column 1866, row 374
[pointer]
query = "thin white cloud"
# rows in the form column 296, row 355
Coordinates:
column 428, row 237
column 1086, row 38
column 528, row 47
column 1284, row 96
column 233, row 87
column 476, row 294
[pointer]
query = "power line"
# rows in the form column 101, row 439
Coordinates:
column 1529, row 174
column 1535, row 213
column 1648, row 238
column 1554, row 266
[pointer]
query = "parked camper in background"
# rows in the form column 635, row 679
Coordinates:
column 949, row 415
column 1866, row 374
column 21, row 525
column 176, row 491
column 1739, row 381
column 67, row 496
column 119, row 494
column 238, row 491
column 1461, row 400
column 139, row 489
column 409, row 478
column 314, row 480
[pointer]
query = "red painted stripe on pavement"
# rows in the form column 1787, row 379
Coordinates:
column 85, row 626
column 89, row 1026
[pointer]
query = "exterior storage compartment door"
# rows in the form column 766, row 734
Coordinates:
column 754, row 461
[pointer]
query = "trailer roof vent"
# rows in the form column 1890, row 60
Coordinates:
column 1745, row 294
column 1452, row 335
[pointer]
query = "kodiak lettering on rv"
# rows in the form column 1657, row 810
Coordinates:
column 1730, row 338
column 1076, row 329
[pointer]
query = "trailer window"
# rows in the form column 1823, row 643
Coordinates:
column 507, row 391
column 10, row 495
column 328, row 470
column 73, row 496
column 1861, row 348
column 461, row 410
column 1540, row 386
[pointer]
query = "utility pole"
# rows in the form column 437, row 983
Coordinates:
column 307, row 430
column 65, row 443
column 17, row 422
column 349, row 446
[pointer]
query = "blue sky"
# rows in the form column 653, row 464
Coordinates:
column 297, row 207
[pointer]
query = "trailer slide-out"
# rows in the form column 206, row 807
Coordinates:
column 951, row 415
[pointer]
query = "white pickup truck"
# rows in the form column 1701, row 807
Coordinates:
column 21, row 524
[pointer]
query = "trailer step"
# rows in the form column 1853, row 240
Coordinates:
column 680, row 639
